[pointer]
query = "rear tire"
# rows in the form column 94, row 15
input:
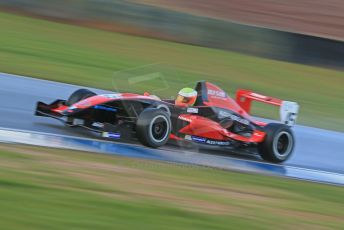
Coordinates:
column 79, row 95
column 278, row 144
column 153, row 127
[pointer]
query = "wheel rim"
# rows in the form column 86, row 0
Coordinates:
column 159, row 128
column 283, row 144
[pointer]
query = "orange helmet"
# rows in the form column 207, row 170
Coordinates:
column 186, row 97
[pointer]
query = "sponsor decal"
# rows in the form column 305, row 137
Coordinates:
column 188, row 137
column 111, row 135
column 192, row 110
column 199, row 139
column 102, row 107
column 217, row 93
column 206, row 141
column 181, row 117
column 98, row 124
column 223, row 114
column 212, row 142
column 112, row 96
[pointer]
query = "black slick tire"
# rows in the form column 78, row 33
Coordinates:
column 278, row 144
column 79, row 95
column 153, row 127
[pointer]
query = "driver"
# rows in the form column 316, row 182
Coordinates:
column 186, row 97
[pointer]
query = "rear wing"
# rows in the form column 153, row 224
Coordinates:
column 288, row 109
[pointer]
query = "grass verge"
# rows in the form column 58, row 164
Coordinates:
column 90, row 57
column 61, row 189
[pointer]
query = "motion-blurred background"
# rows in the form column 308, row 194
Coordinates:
column 293, row 50
column 299, row 31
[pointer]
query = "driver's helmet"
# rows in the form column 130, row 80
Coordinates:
column 186, row 97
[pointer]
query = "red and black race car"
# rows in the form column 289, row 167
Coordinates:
column 215, row 119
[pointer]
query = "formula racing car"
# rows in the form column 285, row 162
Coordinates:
column 213, row 119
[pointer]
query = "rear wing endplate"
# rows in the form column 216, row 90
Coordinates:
column 288, row 109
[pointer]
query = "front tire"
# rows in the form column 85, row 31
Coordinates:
column 278, row 144
column 79, row 95
column 153, row 127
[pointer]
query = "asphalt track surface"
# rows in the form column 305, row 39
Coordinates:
column 315, row 148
